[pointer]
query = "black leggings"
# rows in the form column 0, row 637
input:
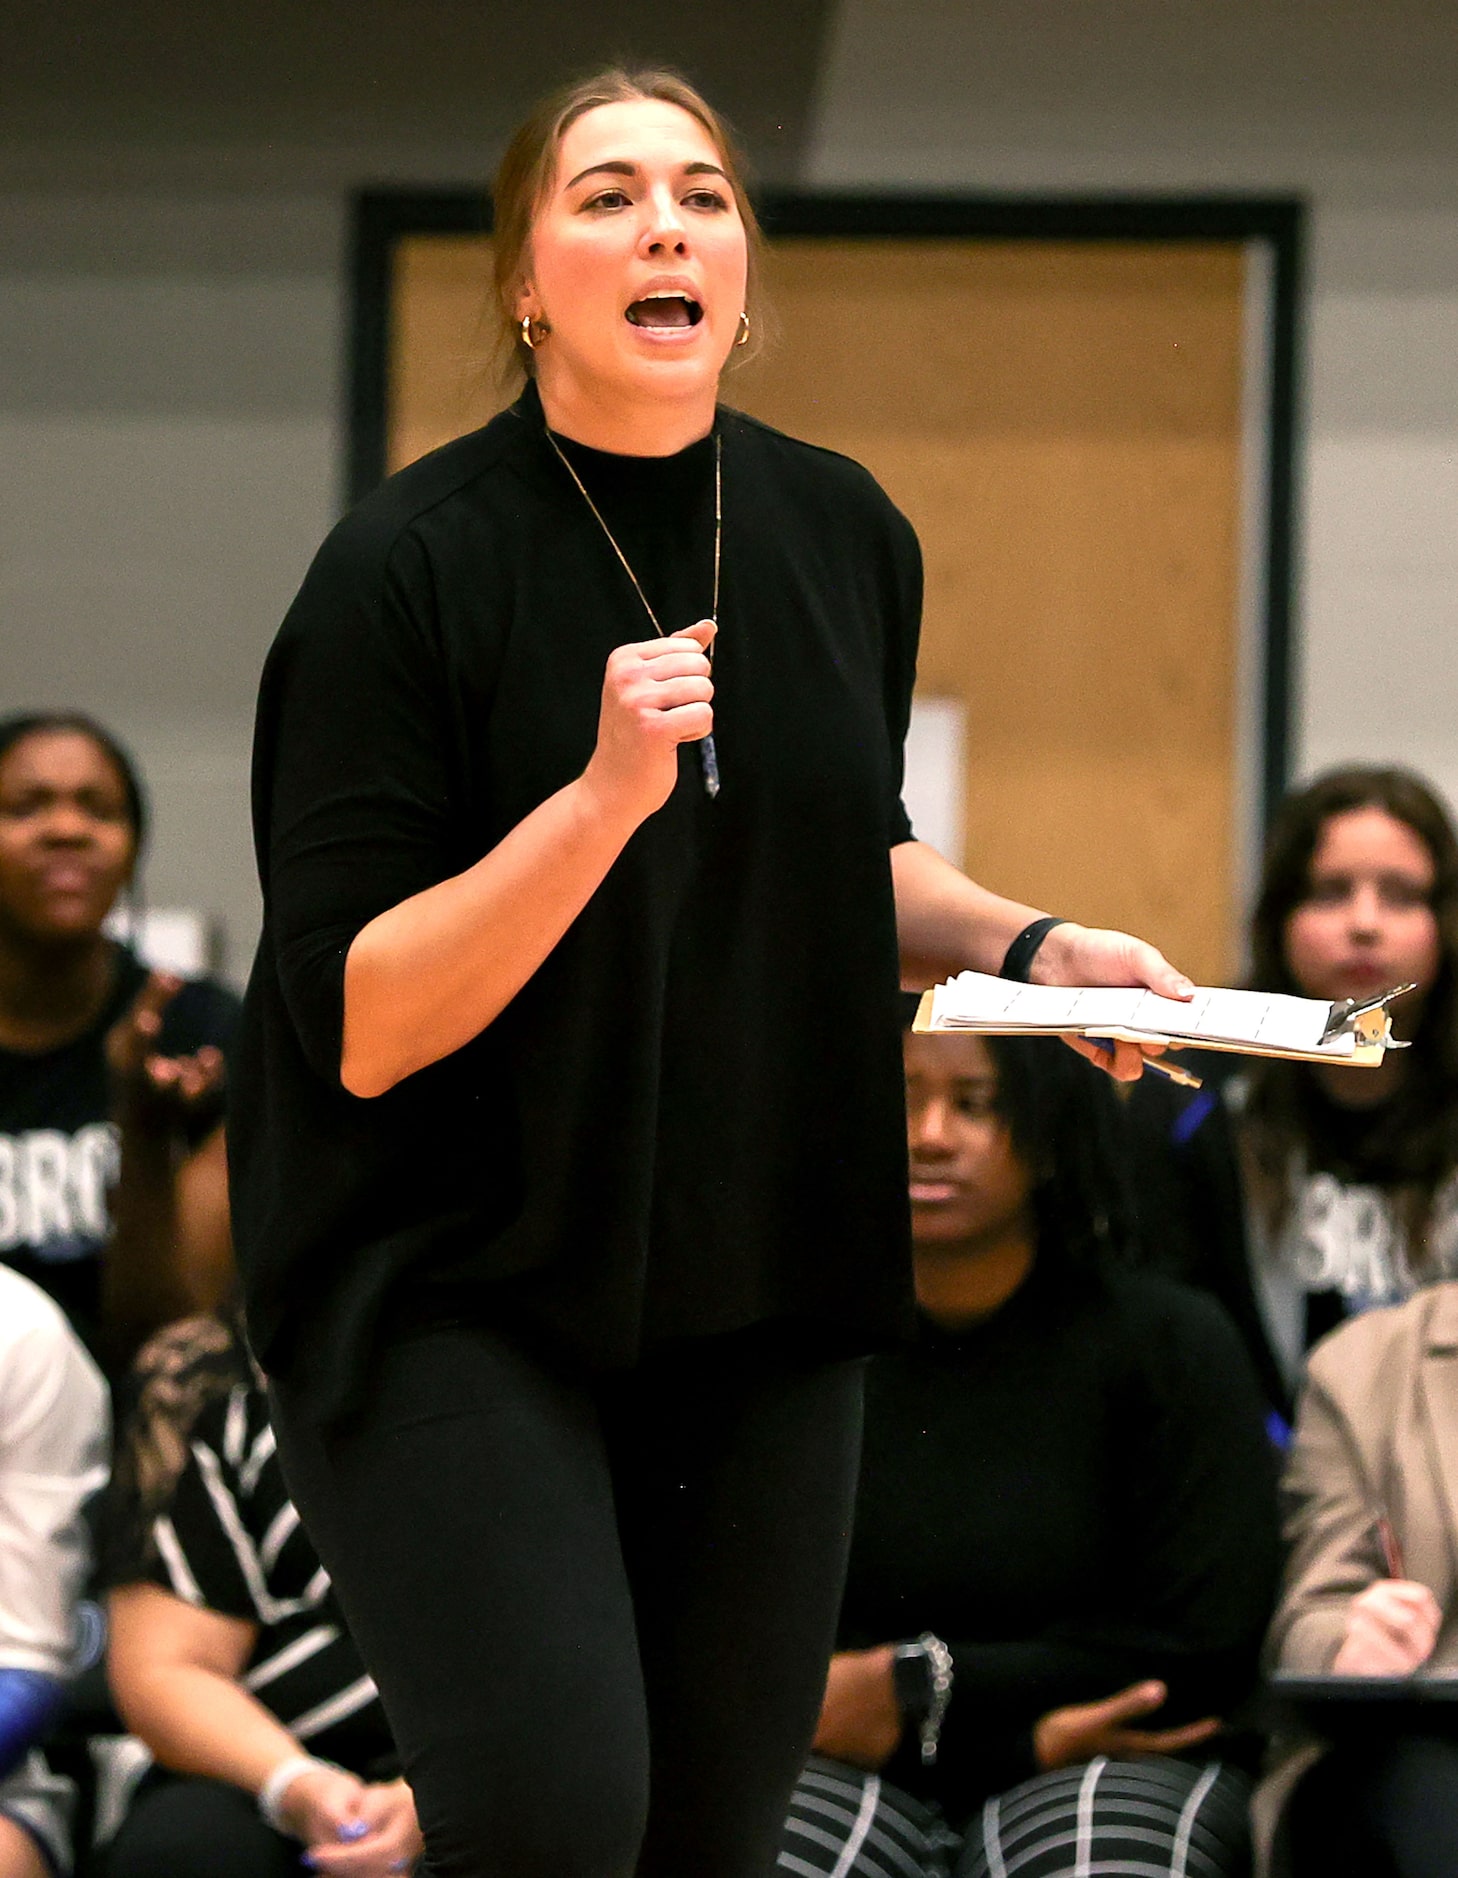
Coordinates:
column 1378, row 1809
column 599, row 1614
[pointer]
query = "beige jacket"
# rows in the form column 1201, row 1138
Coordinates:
column 1376, row 1435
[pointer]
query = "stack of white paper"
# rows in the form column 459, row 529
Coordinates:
column 1254, row 1022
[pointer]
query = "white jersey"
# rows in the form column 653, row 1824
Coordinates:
column 54, row 1441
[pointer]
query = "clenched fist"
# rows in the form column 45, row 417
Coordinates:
column 1391, row 1630
column 655, row 696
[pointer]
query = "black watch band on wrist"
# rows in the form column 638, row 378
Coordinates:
column 911, row 1677
column 1018, row 960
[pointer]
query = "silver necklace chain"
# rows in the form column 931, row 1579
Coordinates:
column 707, row 752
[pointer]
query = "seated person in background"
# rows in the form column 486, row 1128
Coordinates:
column 53, row 1443
column 1301, row 1194
column 1067, row 1497
column 110, row 1078
column 1373, row 1523
column 228, row 1656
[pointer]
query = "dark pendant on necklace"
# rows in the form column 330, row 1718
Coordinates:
column 709, row 757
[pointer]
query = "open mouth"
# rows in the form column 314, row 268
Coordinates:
column 665, row 310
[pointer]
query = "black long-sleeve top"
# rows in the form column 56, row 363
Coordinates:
column 690, row 1120
column 1076, row 1495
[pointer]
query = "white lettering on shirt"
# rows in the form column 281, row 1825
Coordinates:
column 95, row 1163
column 9, row 1195
column 54, row 1188
column 44, row 1165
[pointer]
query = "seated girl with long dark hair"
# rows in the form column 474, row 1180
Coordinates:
column 1065, row 1546
column 1303, row 1194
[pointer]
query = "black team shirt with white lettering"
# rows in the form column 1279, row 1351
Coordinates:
column 59, row 1148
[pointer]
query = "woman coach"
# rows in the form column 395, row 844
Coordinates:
column 585, row 871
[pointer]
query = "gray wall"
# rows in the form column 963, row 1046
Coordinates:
column 1347, row 103
column 168, row 461
column 172, row 298
column 172, row 317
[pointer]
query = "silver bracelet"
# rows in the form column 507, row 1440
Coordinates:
column 271, row 1793
column 940, row 1658
column 930, row 1709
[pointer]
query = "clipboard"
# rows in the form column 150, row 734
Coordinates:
column 1350, row 1033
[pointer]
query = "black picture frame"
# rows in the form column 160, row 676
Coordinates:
column 384, row 217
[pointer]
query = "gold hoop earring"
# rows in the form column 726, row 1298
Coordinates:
column 743, row 339
column 526, row 333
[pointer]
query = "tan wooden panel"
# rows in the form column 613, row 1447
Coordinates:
column 442, row 369
column 1061, row 422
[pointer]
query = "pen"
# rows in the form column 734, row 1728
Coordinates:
column 1391, row 1550
column 1156, row 1066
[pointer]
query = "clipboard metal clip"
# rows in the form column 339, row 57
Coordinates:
column 1346, row 1011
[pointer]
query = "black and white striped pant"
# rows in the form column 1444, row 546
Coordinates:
column 1105, row 1819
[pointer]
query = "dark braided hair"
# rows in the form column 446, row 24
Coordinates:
column 1067, row 1127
